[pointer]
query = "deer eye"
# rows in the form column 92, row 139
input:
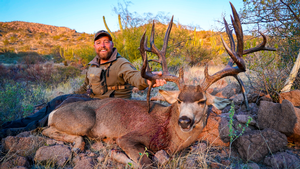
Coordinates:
column 201, row 102
column 179, row 101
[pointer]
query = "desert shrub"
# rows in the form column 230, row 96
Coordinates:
column 63, row 74
column 5, row 42
column 17, row 100
column 267, row 74
column 85, row 53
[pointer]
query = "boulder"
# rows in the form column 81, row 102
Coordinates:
column 57, row 154
column 282, row 160
column 280, row 117
column 23, row 146
column 295, row 137
column 256, row 144
column 292, row 96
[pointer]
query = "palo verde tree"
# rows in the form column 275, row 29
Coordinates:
column 280, row 21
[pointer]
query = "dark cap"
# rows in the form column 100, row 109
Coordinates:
column 102, row 32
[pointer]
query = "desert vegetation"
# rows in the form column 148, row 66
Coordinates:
column 40, row 62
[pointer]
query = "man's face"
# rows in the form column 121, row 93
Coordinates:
column 103, row 47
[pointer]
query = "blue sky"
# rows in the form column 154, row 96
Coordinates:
column 86, row 15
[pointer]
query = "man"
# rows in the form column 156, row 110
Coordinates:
column 109, row 75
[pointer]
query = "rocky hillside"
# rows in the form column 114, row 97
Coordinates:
column 20, row 38
column 33, row 28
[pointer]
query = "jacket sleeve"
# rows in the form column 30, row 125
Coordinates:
column 132, row 76
column 83, row 87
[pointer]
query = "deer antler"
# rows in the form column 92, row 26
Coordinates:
column 146, row 72
column 236, row 56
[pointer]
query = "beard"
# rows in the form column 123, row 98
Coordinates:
column 104, row 56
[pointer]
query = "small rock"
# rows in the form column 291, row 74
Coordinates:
column 101, row 158
column 244, row 119
column 58, row 154
column 199, row 148
column 226, row 162
column 85, row 162
column 15, row 161
column 97, row 146
column 161, row 157
column 282, row 160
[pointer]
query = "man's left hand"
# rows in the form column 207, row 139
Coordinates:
column 158, row 82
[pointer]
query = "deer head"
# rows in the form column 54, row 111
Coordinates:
column 192, row 101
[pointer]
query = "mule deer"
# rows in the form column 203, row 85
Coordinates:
column 128, row 122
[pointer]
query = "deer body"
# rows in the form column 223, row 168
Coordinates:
column 128, row 122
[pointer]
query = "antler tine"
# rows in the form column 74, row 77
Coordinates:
column 236, row 56
column 145, row 71
column 229, row 33
column 145, row 67
column 261, row 46
column 236, row 23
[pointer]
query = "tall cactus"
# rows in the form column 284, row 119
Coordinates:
column 108, row 30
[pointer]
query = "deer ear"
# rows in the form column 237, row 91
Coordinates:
column 170, row 96
column 217, row 102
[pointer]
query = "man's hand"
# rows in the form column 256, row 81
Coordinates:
column 159, row 82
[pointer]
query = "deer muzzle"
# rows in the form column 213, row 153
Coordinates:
column 185, row 123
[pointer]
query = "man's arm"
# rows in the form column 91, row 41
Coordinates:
column 134, row 77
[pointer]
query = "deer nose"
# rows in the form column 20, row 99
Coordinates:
column 185, row 122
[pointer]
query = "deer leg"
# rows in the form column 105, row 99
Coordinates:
column 61, row 136
column 134, row 149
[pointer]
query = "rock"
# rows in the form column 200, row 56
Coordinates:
column 292, row 96
column 245, row 118
column 210, row 132
column 282, row 160
column 237, row 127
column 250, row 166
column 101, row 158
column 15, row 161
column 85, row 162
column 224, row 130
column 97, row 146
column 161, row 157
column 280, row 117
column 295, row 137
column 51, row 142
column 199, row 148
column 255, row 145
column 24, row 134
column 24, row 146
column 228, row 91
column 57, row 154
column 19, row 167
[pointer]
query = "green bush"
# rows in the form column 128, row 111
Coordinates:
column 17, row 100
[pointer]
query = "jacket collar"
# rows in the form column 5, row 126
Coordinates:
column 113, row 57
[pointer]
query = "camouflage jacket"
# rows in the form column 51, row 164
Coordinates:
column 114, row 78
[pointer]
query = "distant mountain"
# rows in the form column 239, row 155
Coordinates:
column 31, row 27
